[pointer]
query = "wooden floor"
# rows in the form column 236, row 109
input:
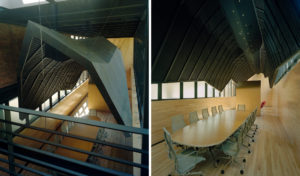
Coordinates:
column 272, row 155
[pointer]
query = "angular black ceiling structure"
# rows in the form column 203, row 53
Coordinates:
column 50, row 61
column 108, row 18
column 215, row 40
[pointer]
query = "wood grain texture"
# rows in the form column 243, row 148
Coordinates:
column 162, row 111
column 125, row 45
column 282, row 101
column 11, row 37
column 285, row 98
column 250, row 96
column 273, row 154
column 212, row 131
column 64, row 107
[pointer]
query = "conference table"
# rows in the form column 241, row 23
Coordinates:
column 211, row 131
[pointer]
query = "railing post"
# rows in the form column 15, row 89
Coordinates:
column 2, row 125
column 10, row 141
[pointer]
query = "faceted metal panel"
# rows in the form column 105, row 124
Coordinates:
column 59, row 62
column 216, row 40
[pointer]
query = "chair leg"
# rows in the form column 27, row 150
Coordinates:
column 227, row 164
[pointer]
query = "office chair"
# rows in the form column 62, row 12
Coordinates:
column 205, row 113
column 185, row 160
column 220, row 108
column 193, row 116
column 241, row 107
column 231, row 148
column 214, row 110
column 177, row 123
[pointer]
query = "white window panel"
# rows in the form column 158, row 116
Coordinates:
column 210, row 90
column 154, row 91
column 188, row 89
column 201, row 89
column 217, row 93
column 170, row 90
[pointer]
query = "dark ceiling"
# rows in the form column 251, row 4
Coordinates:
column 109, row 18
column 215, row 40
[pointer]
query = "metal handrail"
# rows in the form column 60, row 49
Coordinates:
column 11, row 152
column 77, row 120
column 124, row 147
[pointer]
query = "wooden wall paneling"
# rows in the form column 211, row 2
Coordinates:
column 250, row 96
column 11, row 37
column 162, row 111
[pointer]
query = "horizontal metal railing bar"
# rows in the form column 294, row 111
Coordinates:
column 81, row 151
column 7, row 171
column 78, row 120
column 76, row 165
column 26, row 168
column 120, row 146
column 39, row 162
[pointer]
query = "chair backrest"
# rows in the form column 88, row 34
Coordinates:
column 177, row 122
column 242, row 135
column 168, row 139
column 214, row 110
column 220, row 107
column 241, row 107
column 255, row 111
column 193, row 117
column 205, row 113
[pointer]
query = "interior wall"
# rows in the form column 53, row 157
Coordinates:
column 250, row 96
column 282, row 101
column 162, row 111
column 11, row 38
column 285, row 98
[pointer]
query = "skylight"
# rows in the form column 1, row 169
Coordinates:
column 32, row 1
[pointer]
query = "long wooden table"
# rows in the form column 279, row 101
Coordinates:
column 212, row 131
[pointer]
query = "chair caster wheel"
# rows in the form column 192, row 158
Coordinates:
column 244, row 160
column 249, row 145
column 249, row 151
column 253, row 140
column 222, row 171
column 253, row 136
column 241, row 172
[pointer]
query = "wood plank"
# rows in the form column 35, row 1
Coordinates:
column 162, row 111
column 211, row 131
column 272, row 154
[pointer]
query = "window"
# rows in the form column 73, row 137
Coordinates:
column 210, row 90
column 55, row 98
column 217, row 93
column 233, row 89
column 223, row 93
column 62, row 93
column 201, row 89
column 86, row 111
column 154, row 91
column 171, row 91
column 82, row 111
column 46, row 105
column 14, row 102
column 188, row 89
